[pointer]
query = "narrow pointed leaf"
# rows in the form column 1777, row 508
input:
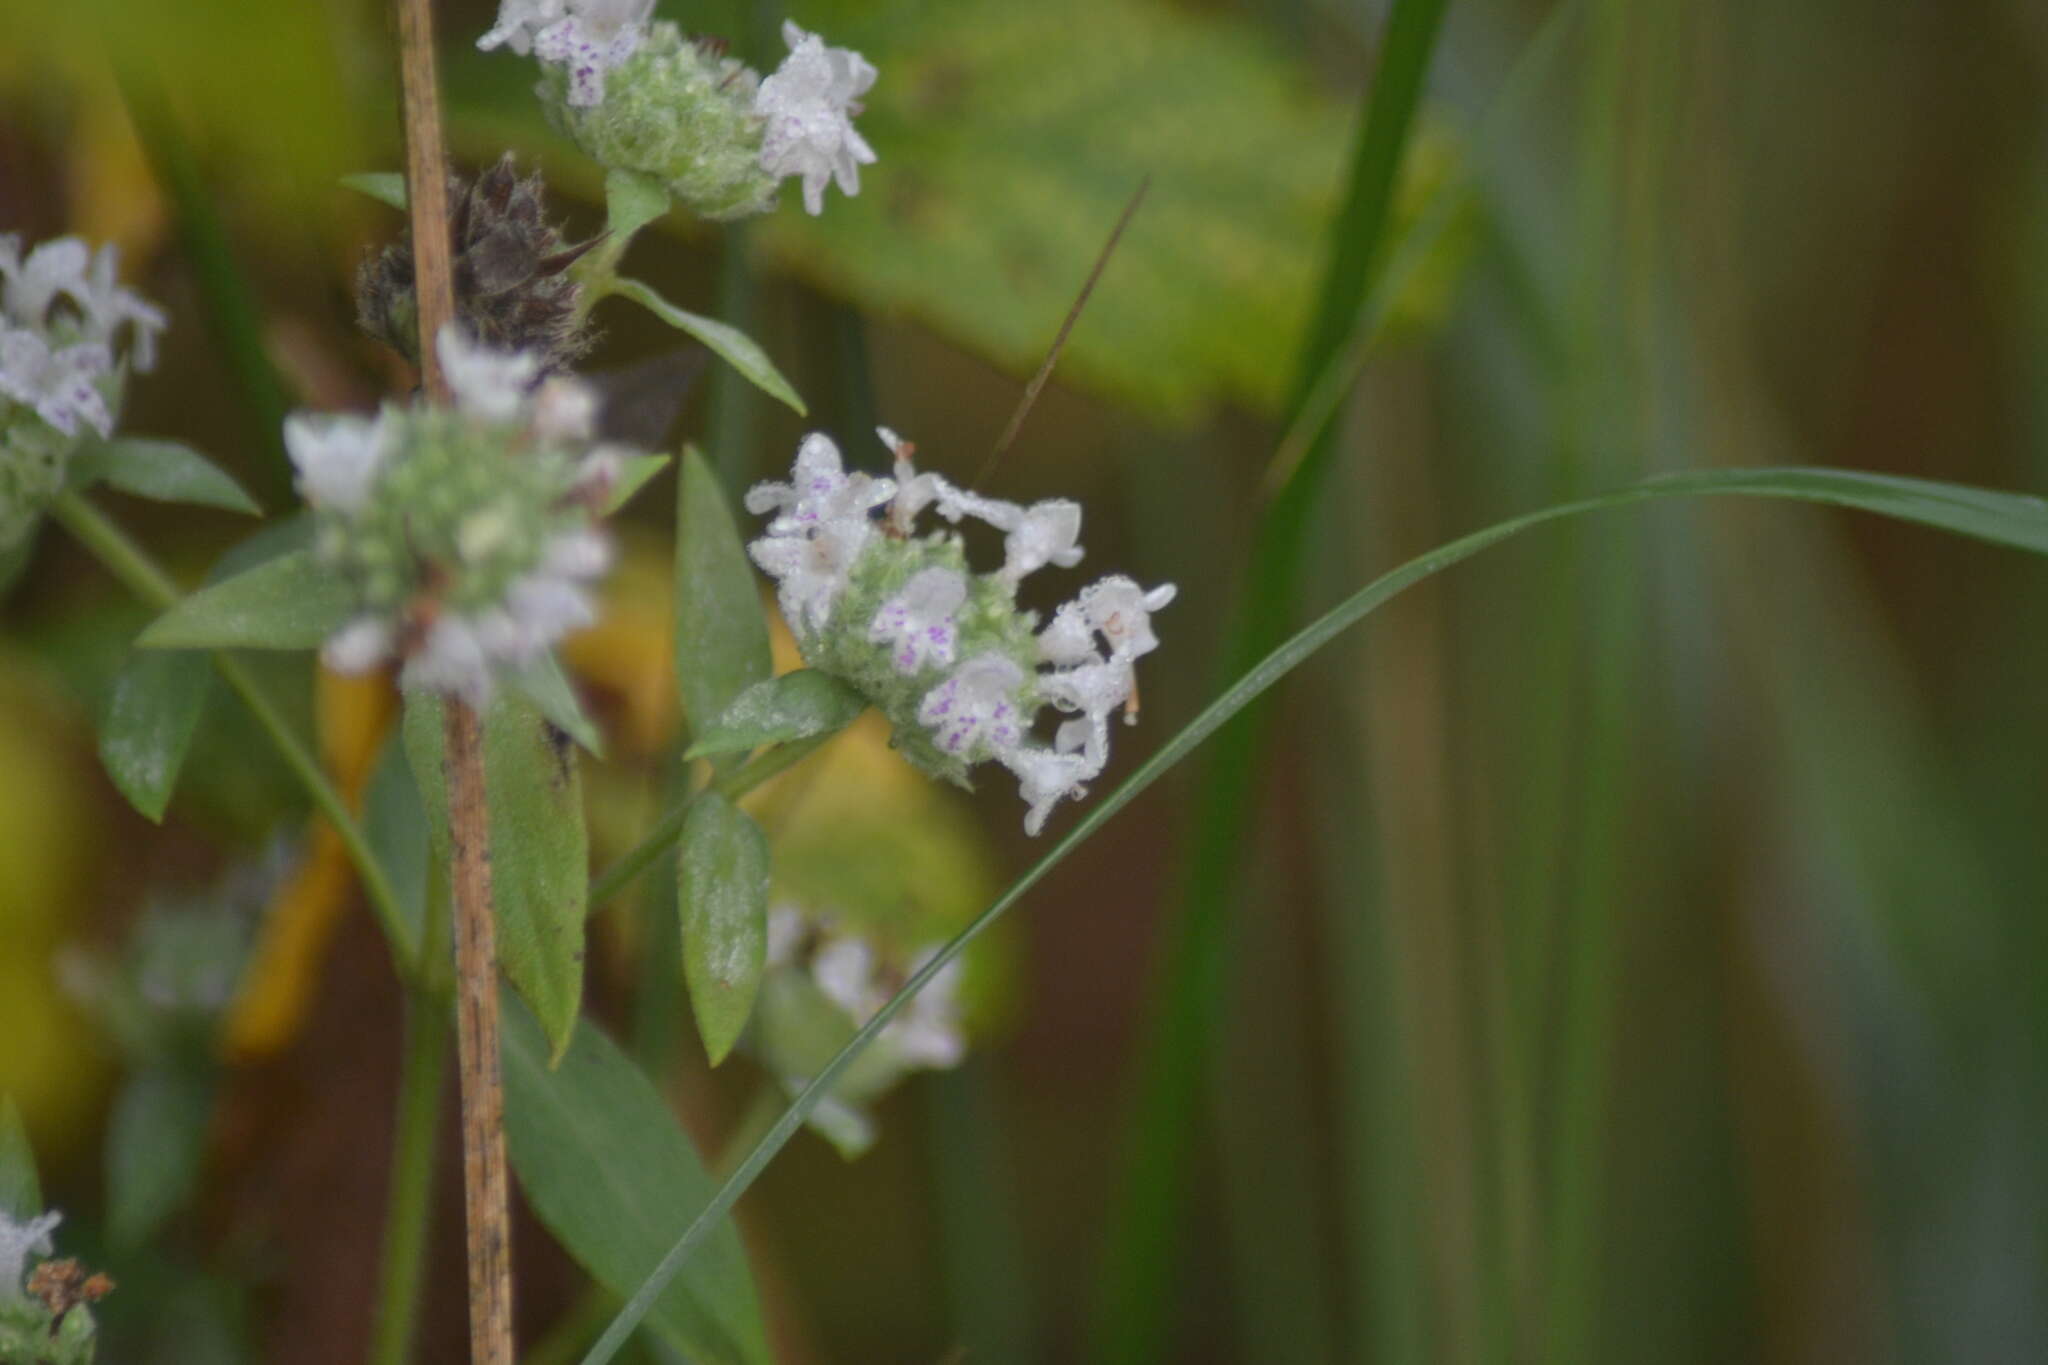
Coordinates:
column 290, row 602
column 722, row 872
column 151, row 715
column 794, row 706
column 540, row 852
column 632, row 479
column 163, row 471
column 549, row 689
column 606, row 1167
column 729, row 343
column 386, row 187
column 154, row 1144
column 21, row 1193
column 2011, row 519
column 721, row 632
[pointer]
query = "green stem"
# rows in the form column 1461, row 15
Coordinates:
column 406, row 1218
column 422, row 1072
column 732, row 786
column 143, row 576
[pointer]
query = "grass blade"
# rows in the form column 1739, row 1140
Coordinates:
column 2011, row 519
column 1144, row 1225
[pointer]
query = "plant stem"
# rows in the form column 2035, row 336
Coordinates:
column 485, row 1183
column 732, row 786
column 144, row 577
column 406, row 1218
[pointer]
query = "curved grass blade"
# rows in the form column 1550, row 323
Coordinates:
column 2011, row 519
column 1147, row 1216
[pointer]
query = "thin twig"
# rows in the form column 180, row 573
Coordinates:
column 485, row 1186
column 1059, row 342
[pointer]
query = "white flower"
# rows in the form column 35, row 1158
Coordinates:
column 451, row 659
column 1046, row 533
column 785, row 934
column 57, row 384
column 926, row 1033
column 18, row 1241
column 917, row 623
column 577, row 554
column 564, row 410
column 1044, row 776
column 52, row 268
column 1069, row 638
column 1122, row 611
column 337, row 456
column 810, row 568
column 107, row 307
column 820, row 490
column 546, row 608
column 821, row 525
column 914, row 491
column 66, row 267
column 844, row 970
column 518, row 21
column 808, row 104
column 588, row 37
column 976, row 707
column 496, row 386
column 359, row 646
column 1095, row 690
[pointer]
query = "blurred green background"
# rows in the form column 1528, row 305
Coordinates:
column 1638, row 949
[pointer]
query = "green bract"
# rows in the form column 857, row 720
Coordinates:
column 454, row 514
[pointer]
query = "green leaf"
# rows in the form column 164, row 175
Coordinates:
column 163, row 471
column 722, row 870
column 721, row 632
column 632, row 479
column 386, row 187
column 549, row 689
column 151, row 715
column 606, row 1168
column 632, row 201
column 729, row 343
column 396, row 826
column 540, row 851
column 21, row 1194
column 794, row 706
column 1008, row 151
column 2012, row 519
column 155, row 1141
column 290, row 602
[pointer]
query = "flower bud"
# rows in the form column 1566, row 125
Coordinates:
column 513, row 287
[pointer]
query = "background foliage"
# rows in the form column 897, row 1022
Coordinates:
column 1639, row 953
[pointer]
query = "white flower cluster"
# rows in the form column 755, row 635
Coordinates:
column 61, row 311
column 18, row 1241
column 945, row 652
column 797, row 121
column 586, row 38
column 808, row 106
column 467, row 537
column 847, row 971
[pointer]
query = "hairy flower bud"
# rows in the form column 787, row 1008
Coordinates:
column 679, row 112
column 513, row 288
